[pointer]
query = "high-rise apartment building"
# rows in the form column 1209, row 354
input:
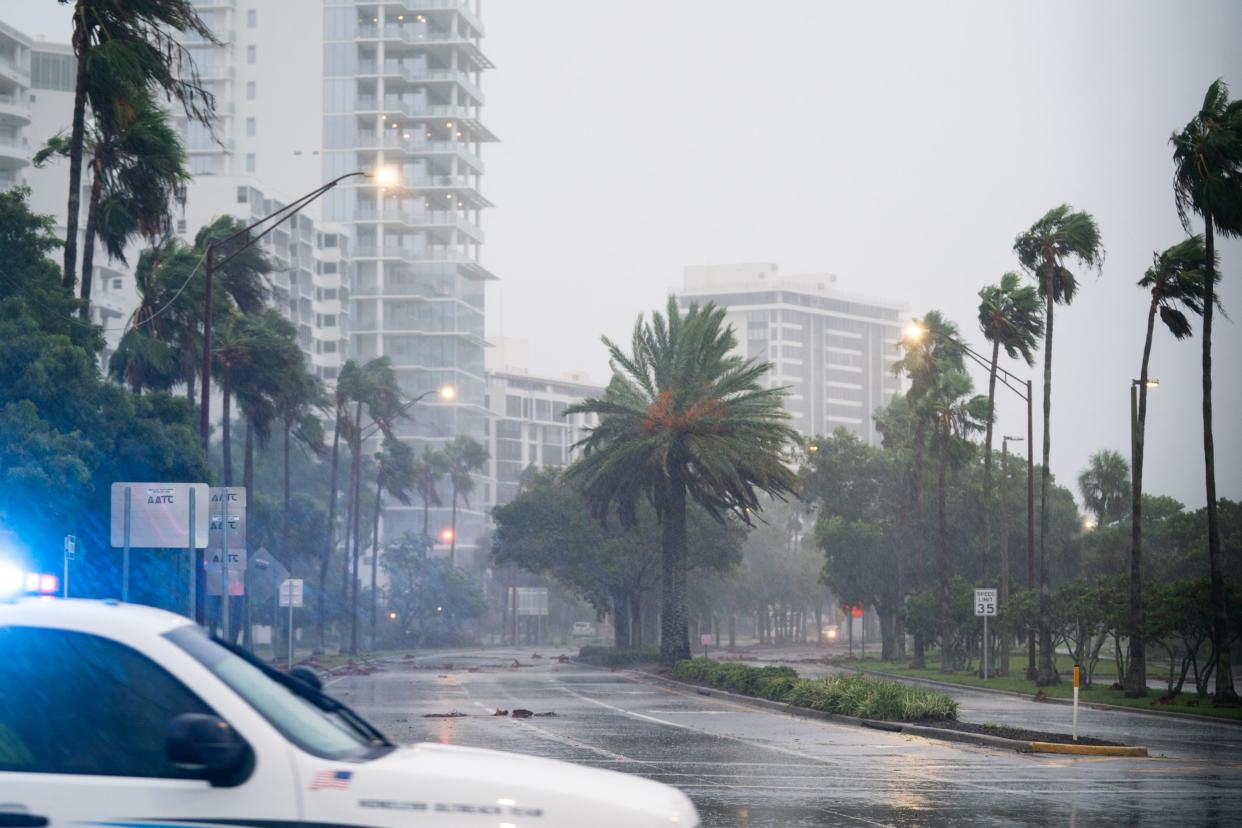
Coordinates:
column 14, row 106
column 528, row 427
column 834, row 351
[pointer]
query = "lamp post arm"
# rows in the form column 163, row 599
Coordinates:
column 374, row 426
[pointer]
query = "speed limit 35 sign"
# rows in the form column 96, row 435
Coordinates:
column 985, row 602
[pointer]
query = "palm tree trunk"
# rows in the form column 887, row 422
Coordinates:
column 326, row 560
column 379, row 490
column 77, row 140
column 947, row 655
column 1047, row 673
column 1135, row 680
column 1225, row 693
column 189, row 394
column 284, row 510
column 913, row 518
column 426, row 513
column 987, row 469
column 88, row 240
column 248, row 459
column 453, row 538
column 674, row 632
column 357, row 541
column 226, row 431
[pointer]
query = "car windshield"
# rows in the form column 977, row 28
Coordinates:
column 302, row 715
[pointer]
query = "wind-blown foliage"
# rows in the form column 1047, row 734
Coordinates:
column 1105, row 486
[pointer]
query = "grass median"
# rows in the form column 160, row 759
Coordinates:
column 1016, row 682
column 847, row 695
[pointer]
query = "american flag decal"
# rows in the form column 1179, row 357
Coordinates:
column 331, row 780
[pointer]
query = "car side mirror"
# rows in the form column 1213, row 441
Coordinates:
column 307, row 676
column 209, row 748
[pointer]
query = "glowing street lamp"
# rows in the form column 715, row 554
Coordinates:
column 446, row 535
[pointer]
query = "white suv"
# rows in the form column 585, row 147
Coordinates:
column 131, row 717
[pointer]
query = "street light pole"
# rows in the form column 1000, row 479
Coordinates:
column 210, row 264
column 1004, row 533
column 1135, row 680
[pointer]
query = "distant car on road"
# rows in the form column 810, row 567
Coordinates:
column 831, row 633
column 584, row 629
column 120, row 715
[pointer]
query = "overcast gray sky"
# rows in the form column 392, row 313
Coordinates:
column 901, row 145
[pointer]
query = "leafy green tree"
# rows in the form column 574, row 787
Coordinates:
column 1175, row 281
column 430, row 597
column 1105, row 486
column 125, row 52
column 683, row 418
column 1207, row 180
column 1059, row 235
column 1010, row 317
column 464, row 458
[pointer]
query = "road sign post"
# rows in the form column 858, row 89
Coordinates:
column 191, row 549
column 70, row 548
column 985, row 605
column 1077, row 675
column 155, row 516
column 291, row 596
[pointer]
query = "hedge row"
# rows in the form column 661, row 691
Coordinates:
column 849, row 695
column 612, row 657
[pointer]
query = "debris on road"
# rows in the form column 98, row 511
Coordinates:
column 453, row 715
column 522, row 713
column 535, row 655
column 500, row 711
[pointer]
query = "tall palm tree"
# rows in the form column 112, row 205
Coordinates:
column 1059, row 235
column 464, row 458
column 956, row 417
column 394, row 474
column 146, row 356
column 1175, row 281
column 930, row 349
column 346, row 382
column 682, row 418
column 429, row 468
column 299, row 400
column 1010, row 317
column 122, row 50
column 1105, row 486
column 1207, row 159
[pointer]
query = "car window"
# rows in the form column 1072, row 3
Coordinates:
column 312, row 729
column 76, row 703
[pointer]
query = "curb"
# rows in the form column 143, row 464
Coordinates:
column 948, row 685
column 942, row 734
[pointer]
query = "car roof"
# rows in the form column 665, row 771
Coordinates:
column 109, row 618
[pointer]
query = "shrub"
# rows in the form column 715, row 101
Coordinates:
column 849, row 695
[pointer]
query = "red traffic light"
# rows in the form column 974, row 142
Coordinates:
column 856, row 611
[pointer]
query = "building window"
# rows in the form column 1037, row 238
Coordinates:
column 513, row 406
column 201, row 165
column 329, row 347
column 181, row 225
column 116, row 284
column 252, row 18
column 252, row 54
column 327, row 320
column 250, row 162
column 243, row 195
column 252, row 127
column 252, row 90
column 329, row 240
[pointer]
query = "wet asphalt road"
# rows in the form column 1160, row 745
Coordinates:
column 749, row 767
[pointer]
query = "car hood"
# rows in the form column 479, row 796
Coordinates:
column 487, row 787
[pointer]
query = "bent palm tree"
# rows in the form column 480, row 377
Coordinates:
column 463, row 458
column 683, row 418
column 1010, row 317
column 1175, row 281
column 1207, row 159
column 428, row 470
column 394, row 474
column 126, row 49
column 1060, row 234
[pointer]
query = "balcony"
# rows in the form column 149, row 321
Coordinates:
column 14, row 71
column 14, row 110
column 418, row 35
column 433, row 220
column 14, row 152
column 432, row 6
column 392, row 140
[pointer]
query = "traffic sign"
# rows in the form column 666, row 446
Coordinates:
column 159, row 515
column 71, row 547
column 291, row 592
column 985, row 602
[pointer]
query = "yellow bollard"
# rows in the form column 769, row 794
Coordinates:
column 1077, row 677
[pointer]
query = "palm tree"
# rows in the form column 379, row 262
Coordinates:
column 1010, row 317
column 125, row 50
column 394, row 473
column 930, row 350
column 1207, row 158
column 1175, row 281
column 146, row 356
column 346, row 383
column 1060, row 234
column 464, row 457
column 299, row 400
column 683, row 417
column 955, row 418
column 428, row 470
column 1105, row 486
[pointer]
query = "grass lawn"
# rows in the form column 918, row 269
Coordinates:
column 1016, row 682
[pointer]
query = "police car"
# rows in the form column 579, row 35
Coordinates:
column 123, row 716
